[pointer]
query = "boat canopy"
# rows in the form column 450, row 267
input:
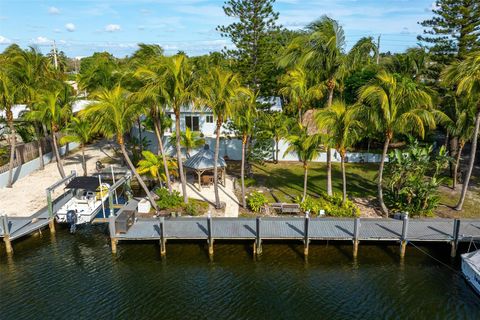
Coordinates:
column 86, row 183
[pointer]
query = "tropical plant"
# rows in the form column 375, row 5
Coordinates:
column 80, row 131
column 276, row 126
column 167, row 199
column 220, row 91
column 256, row 201
column 306, row 148
column 152, row 165
column 466, row 76
column 343, row 127
column 189, row 140
column 245, row 116
column 112, row 115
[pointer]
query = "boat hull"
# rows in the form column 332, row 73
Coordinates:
column 471, row 270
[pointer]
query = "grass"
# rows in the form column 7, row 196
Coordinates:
column 286, row 179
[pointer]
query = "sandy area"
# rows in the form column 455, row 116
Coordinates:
column 207, row 194
column 28, row 194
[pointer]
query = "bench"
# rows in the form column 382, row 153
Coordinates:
column 285, row 207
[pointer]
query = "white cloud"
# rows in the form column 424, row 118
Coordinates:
column 53, row 10
column 57, row 30
column 4, row 40
column 112, row 27
column 42, row 41
column 70, row 27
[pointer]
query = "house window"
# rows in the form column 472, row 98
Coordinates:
column 192, row 123
column 209, row 119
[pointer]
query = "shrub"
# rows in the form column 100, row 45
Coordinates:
column 331, row 204
column 167, row 200
column 256, row 200
column 249, row 182
column 196, row 207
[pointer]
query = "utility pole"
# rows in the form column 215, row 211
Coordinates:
column 378, row 49
column 55, row 60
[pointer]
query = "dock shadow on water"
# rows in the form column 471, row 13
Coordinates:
column 46, row 277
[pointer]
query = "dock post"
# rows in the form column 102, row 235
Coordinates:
column 111, row 228
column 403, row 240
column 6, row 235
column 306, row 239
column 163, row 247
column 356, row 233
column 111, row 210
column 51, row 225
column 456, row 231
column 258, row 241
column 210, row 236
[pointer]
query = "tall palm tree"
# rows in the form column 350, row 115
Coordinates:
column 220, row 90
column 53, row 108
column 79, row 130
column 189, row 140
column 466, row 76
column 276, row 125
column 245, row 117
column 396, row 105
column 112, row 115
column 299, row 91
column 460, row 125
column 152, row 164
column 306, row 148
column 343, row 126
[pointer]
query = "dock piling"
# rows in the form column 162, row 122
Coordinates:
column 6, row 235
column 403, row 240
column 51, row 225
column 454, row 243
column 210, row 236
column 356, row 233
column 163, row 246
column 111, row 229
column 306, row 240
column 258, row 241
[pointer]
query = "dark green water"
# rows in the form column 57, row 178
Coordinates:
column 76, row 277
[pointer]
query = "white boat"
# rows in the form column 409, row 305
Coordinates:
column 471, row 269
column 87, row 201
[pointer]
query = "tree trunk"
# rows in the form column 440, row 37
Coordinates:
column 161, row 151
column 305, row 180
column 276, row 150
column 140, row 181
column 331, row 88
column 179, row 156
column 57, row 155
column 329, row 172
column 457, row 164
column 471, row 163
column 453, row 152
column 242, row 169
column 13, row 146
column 84, row 161
column 215, row 163
column 40, row 150
column 344, row 178
column 380, row 176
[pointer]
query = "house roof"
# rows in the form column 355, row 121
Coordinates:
column 203, row 160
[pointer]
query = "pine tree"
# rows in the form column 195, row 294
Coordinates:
column 453, row 31
column 251, row 35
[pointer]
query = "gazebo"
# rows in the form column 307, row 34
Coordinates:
column 203, row 162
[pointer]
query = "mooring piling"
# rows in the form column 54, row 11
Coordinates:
column 356, row 233
column 6, row 235
column 111, row 229
column 163, row 244
column 454, row 243
column 306, row 239
column 210, row 235
column 403, row 240
column 257, row 248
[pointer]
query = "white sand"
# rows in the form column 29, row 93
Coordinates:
column 28, row 194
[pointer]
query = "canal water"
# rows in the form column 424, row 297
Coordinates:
column 76, row 277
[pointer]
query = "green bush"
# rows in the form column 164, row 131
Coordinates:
column 196, row 207
column 256, row 200
column 167, row 200
column 331, row 204
column 249, row 182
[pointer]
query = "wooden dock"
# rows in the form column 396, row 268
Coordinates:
column 303, row 229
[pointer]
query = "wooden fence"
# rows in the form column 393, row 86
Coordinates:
column 29, row 151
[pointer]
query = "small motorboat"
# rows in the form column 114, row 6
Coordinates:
column 471, row 269
column 89, row 195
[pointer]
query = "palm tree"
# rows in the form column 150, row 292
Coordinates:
column 189, row 140
column 79, row 130
column 112, row 115
column 298, row 91
column 396, row 105
column 245, row 117
column 220, row 91
column 152, row 164
column 306, row 148
column 342, row 124
column 53, row 109
column 276, row 125
column 460, row 125
column 466, row 76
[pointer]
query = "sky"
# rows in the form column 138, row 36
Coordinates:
column 81, row 27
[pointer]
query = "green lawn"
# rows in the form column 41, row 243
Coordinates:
column 286, row 179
